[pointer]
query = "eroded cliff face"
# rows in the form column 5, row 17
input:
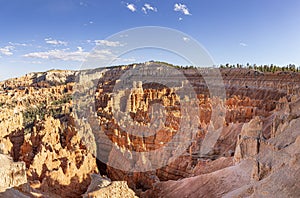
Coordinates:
column 263, row 167
column 48, row 123
column 37, row 127
column 56, row 159
column 249, row 114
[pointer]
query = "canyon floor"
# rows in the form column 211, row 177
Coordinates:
column 150, row 130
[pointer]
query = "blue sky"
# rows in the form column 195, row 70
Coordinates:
column 38, row 35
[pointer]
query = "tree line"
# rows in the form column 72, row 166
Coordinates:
column 264, row 68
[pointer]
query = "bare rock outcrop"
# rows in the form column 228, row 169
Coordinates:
column 12, row 174
column 101, row 187
column 57, row 159
column 248, row 142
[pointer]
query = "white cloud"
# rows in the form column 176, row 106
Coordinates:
column 89, row 23
column 35, row 62
column 108, row 43
column 18, row 44
column 7, row 50
column 186, row 39
column 180, row 19
column 63, row 54
column 144, row 10
column 243, row 44
column 131, row 7
column 67, row 55
column 178, row 7
column 102, row 55
column 55, row 42
column 148, row 7
column 80, row 49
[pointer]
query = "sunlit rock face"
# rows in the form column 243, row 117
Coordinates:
column 12, row 174
column 239, row 146
column 57, row 159
column 38, row 130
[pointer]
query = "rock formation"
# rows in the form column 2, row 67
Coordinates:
column 103, row 187
column 12, row 174
column 63, row 128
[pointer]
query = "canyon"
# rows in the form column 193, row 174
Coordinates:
column 150, row 130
